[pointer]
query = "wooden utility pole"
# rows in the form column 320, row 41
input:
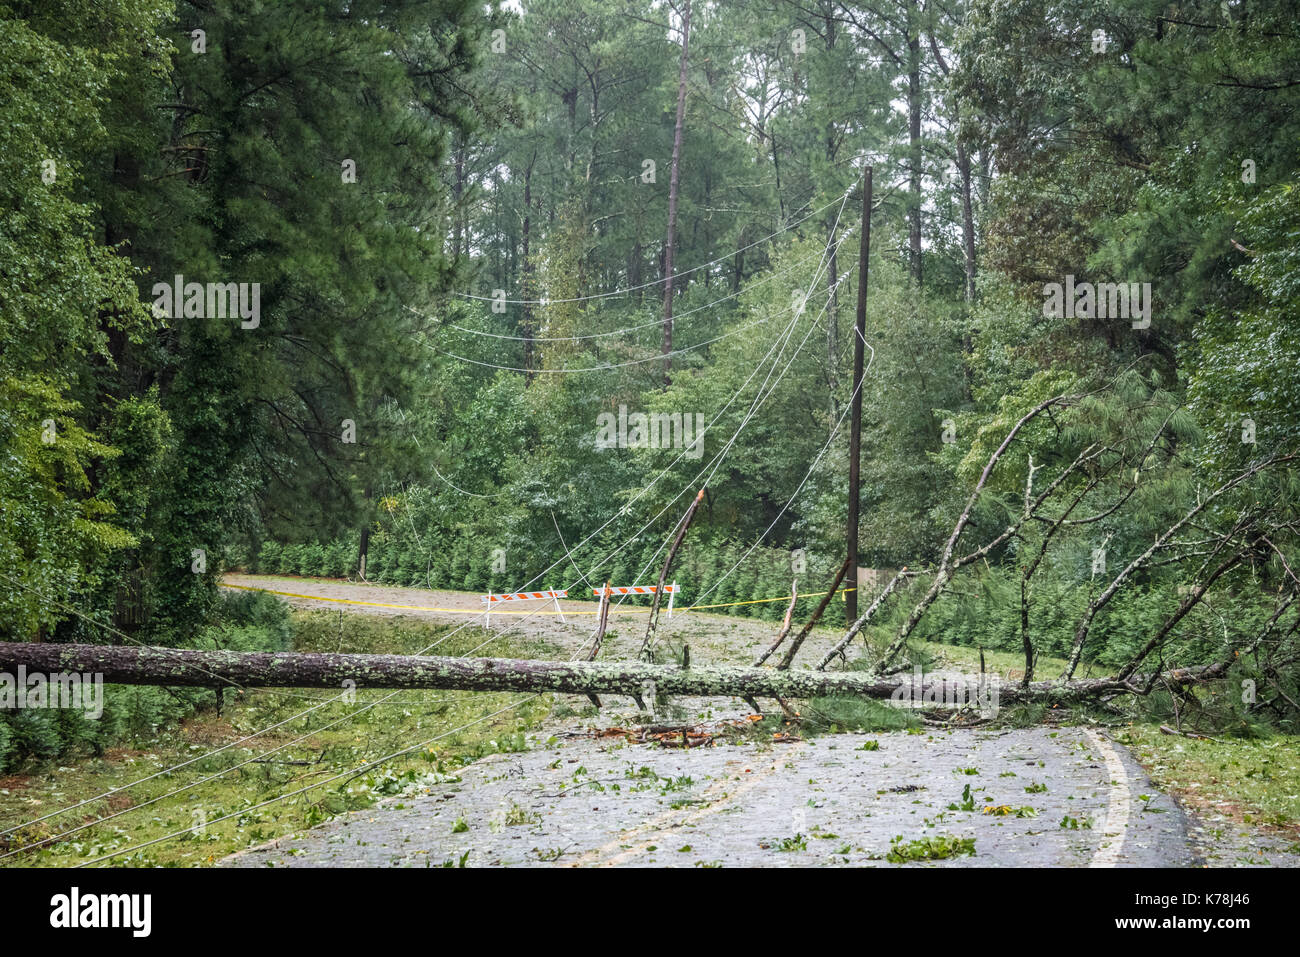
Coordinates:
column 647, row 645
column 855, row 428
column 673, row 180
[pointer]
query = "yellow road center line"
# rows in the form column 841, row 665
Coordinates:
column 658, row 825
column 1118, row 803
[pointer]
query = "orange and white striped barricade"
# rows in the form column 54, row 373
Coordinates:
column 669, row 590
column 552, row 595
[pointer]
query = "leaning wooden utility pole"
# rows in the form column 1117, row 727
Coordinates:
column 816, row 616
column 855, row 428
column 647, row 646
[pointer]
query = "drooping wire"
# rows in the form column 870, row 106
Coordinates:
column 655, row 282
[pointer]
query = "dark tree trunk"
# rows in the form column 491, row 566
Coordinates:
column 527, row 321
column 914, row 139
column 458, row 210
column 967, row 220
column 363, row 550
column 177, row 667
column 832, row 277
column 673, row 185
column 832, row 334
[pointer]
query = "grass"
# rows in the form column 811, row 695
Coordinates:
column 1008, row 664
column 324, row 752
column 1256, row 781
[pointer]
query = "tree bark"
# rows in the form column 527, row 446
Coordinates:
column 458, row 237
column 363, row 552
column 833, row 273
column 967, row 220
column 673, row 181
column 855, row 416
column 363, row 546
column 177, row 667
column 964, row 173
column 914, row 139
column 527, row 324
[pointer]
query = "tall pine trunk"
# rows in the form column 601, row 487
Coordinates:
column 528, row 270
column 914, row 138
column 673, row 182
column 967, row 220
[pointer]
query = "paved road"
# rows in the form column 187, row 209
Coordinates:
column 824, row 801
column 1070, row 797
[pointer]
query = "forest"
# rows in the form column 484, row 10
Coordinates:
column 477, row 298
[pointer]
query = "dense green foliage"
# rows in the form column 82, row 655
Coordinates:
column 144, row 140
column 389, row 172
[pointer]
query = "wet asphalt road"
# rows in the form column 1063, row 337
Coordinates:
column 1067, row 797
column 600, row 802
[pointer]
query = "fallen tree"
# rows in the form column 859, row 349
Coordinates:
column 1233, row 523
column 176, row 667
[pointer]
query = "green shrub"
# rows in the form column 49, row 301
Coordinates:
column 376, row 558
column 419, row 574
column 314, row 559
column 251, row 621
column 291, row 560
column 269, row 557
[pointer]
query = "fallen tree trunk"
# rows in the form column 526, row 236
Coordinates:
column 165, row 667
